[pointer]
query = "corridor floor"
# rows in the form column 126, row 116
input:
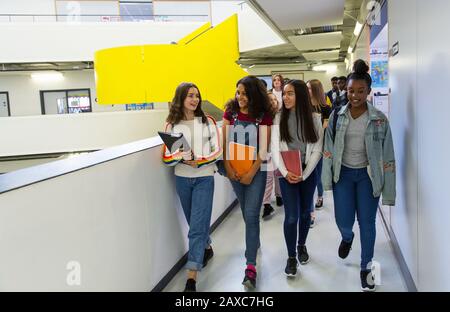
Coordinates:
column 325, row 271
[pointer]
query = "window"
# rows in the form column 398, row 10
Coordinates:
column 66, row 101
column 136, row 11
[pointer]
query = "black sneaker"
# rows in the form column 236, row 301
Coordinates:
column 268, row 210
column 319, row 203
column 367, row 281
column 313, row 222
column 302, row 254
column 190, row 285
column 345, row 247
column 249, row 279
column 209, row 253
column 291, row 267
column 279, row 201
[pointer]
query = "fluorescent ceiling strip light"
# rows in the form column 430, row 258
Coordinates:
column 358, row 28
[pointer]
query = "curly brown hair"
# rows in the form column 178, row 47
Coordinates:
column 176, row 112
column 258, row 100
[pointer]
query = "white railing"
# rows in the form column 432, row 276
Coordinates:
column 35, row 18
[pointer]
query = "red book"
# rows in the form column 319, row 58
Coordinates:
column 293, row 161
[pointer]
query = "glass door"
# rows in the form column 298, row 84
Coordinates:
column 54, row 103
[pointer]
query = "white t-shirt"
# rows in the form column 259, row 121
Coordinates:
column 279, row 96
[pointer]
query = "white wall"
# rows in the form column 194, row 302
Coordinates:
column 121, row 221
column 405, row 127
column 433, row 70
column 24, row 96
column 45, row 42
column 421, row 220
column 76, row 132
column 324, row 77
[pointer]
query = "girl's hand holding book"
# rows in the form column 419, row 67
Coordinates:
column 246, row 178
column 192, row 163
column 292, row 178
column 187, row 156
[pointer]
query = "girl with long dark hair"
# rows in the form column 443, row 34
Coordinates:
column 297, row 128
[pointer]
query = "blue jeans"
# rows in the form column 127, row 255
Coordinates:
column 353, row 194
column 298, row 200
column 196, row 197
column 319, row 178
column 250, row 198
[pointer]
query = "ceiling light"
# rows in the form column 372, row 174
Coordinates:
column 47, row 76
column 358, row 28
column 329, row 68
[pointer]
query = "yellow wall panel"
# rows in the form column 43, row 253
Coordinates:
column 150, row 73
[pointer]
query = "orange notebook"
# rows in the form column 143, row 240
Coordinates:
column 293, row 161
column 241, row 157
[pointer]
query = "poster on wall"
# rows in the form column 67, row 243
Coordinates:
column 379, row 70
column 380, row 73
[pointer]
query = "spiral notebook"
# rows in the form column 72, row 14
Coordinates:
column 174, row 141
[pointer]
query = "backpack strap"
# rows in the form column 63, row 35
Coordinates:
column 335, row 118
column 259, row 120
column 234, row 116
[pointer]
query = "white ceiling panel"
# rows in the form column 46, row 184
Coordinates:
column 292, row 14
column 321, row 56
column 328, row 40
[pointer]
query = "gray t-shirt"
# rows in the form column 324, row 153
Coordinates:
column 355, row 155
column 295, row 130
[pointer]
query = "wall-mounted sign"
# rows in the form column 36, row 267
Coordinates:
column 394, row 50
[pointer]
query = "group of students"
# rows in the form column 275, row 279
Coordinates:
column 354, row 142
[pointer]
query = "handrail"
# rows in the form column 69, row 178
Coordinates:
column 116, row 18
column 25, row 177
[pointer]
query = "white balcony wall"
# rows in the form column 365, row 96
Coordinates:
column 76, row 132
column 62, row 41
column 117, row 224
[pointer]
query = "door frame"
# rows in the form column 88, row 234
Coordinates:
column 41, row 94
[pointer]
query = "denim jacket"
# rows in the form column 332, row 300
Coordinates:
column 379, row 148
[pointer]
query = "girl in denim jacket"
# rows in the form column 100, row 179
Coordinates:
column 359, row 166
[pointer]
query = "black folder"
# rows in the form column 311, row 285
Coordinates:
column 174, row 141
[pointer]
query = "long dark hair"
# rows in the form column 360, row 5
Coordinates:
column 176, row 112
column 258, row 100
column 303, row 112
